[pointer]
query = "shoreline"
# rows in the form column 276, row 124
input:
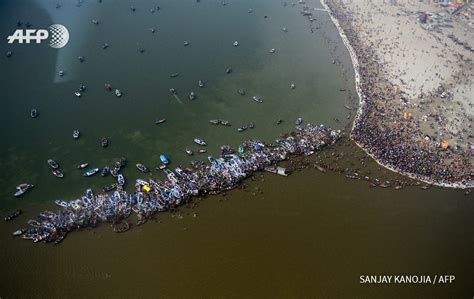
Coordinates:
column 362, row 110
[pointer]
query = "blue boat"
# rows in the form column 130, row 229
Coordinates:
column 164, row 159
column 91, row 172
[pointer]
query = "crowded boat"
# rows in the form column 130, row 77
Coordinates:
column 181, row 184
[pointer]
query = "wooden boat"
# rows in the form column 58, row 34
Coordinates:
column 110, row 187
column 122, row 228
column 13, row 215
column 104, row 142
column 142, row 167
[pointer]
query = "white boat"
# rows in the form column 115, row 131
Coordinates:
column 189, row 152
column 18, row 232
column 192, row 95
column 257, row 99
column 76, row 134
column 53, row 164
column 78, row 94
column 61, row 203
column 121, row 179
column 272, row 50
column 200, row 84
column 91, row 172
column 58, row 173
column 236, row 43
column 22, row 188
column 82, row 166
column 299, row 121
column 199, row 141
column 292, row 86
column 118, row 93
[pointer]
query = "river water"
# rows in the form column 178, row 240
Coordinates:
column 311, row 234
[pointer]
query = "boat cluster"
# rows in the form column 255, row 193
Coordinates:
column 152, row 196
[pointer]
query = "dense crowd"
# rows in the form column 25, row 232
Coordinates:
column 382, row 129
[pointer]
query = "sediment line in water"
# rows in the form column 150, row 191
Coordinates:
column 362, row 111
column 151, row 196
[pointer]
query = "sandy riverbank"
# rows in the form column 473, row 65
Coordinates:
column 402, row 122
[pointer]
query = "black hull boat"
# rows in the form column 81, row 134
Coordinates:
column 122, row 228
column 104, row 142
column 110, row 187
column 105, row 171
column 13, row 215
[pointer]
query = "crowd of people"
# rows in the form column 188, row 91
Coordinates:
column 385, row 130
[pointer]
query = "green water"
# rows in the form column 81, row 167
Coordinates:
column 308, row 235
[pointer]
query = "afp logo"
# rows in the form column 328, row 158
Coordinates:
column 58, row 33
